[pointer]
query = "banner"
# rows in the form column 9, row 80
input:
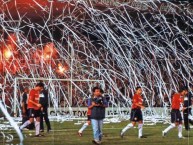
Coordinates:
column 110, row 111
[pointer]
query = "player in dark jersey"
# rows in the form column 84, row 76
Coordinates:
column 136, row 113
column 34, row 108
column 24, row 105
column 44, row 111
column 85, row 125
column 188, row 101
column 176, row 118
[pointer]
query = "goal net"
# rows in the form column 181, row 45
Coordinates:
column 67, row 97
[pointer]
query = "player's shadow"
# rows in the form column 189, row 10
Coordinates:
column 187, row 136
column 149, row 134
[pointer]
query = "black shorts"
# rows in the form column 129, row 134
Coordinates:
column 34, row 113
column 176, row 116
column 88, row 118
column 136, row 115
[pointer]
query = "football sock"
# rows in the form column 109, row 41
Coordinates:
column 25, row 124
column 85, row 125
column 180, row 130
column 169, row 128
column 37, row 127
column 130, row 125
column 140, row 127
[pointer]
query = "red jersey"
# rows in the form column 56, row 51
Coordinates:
column 137, row 99
column 89, row 112
column 33, row 96
column 176, row 101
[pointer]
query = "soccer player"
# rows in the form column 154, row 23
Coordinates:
column 176, row 118
column 44, row 110
column 136, row 113
column 188, row 101
column 34, row 108
column 24, row 105
column 85, row 125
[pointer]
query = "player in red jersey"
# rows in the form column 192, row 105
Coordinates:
column 34, row 108
column 136, row 113
column 85, row 125
column 176, row 118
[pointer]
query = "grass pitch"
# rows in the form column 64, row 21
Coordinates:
column 66, row 134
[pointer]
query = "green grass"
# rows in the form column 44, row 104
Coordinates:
column 66, row 134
